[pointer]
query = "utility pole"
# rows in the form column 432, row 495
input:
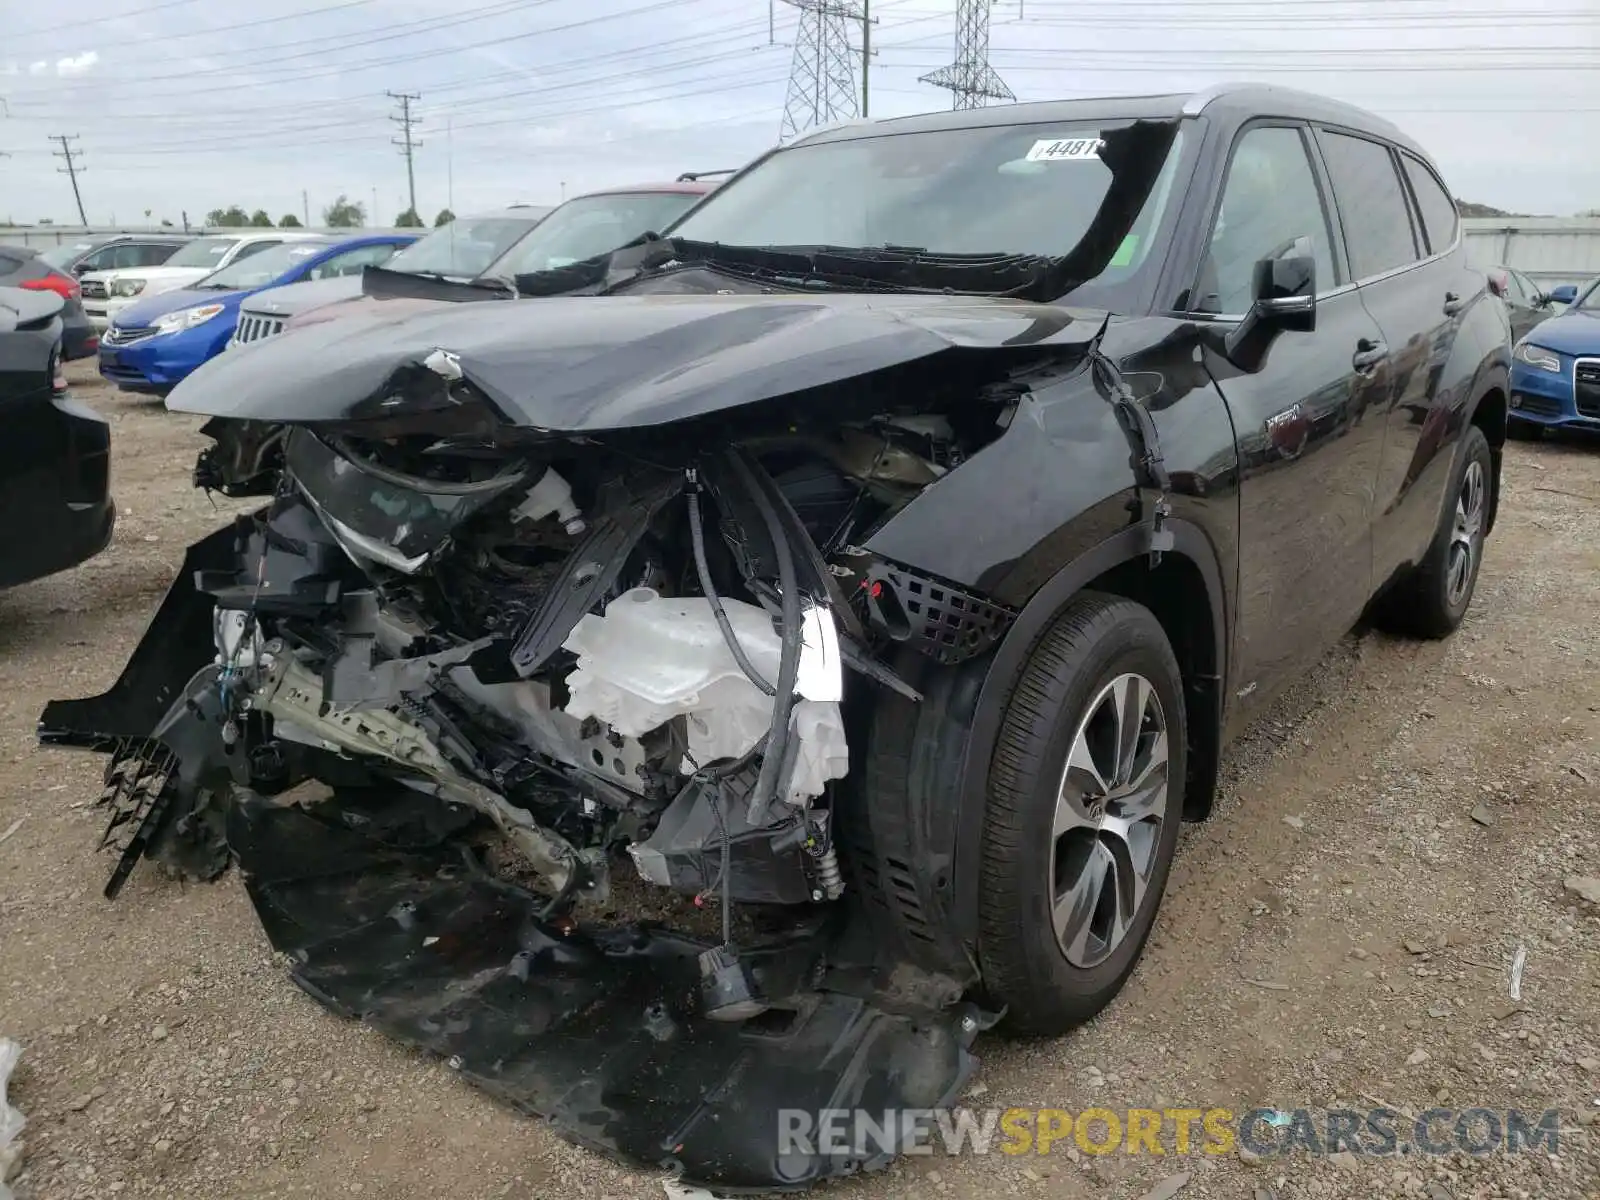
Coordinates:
column 70, row 170
column 406, row 143
column 305, row 206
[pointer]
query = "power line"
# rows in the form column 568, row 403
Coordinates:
column 296, row 132
column 970, row 78
column 737, row 34
column 77, row 26
column 407, row 147
column 70, row 170
column 297, row 74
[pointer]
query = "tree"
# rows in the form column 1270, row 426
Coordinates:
column 260, row 218
column 289, row 221
column 232, row 217
column 444, row 218
column 1468, row 209
column 344, row 214
column 408, row 220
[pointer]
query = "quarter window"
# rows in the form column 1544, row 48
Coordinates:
column 1439, row 215
column 1372, row 205
column 1271, row 208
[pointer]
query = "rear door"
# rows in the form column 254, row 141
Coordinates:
column 1402, row 233
column 1308, row 455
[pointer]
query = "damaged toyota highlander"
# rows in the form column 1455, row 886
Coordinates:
column 737, row 689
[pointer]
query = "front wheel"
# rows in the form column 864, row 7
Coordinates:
column 1084, row 802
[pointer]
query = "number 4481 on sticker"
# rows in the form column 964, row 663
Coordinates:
column 1066, row 150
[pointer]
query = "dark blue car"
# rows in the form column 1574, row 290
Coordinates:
column 1555, row 370
column 154, row 343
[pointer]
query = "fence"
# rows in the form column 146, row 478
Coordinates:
column 1550, row 251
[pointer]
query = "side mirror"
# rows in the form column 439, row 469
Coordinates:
column 1285, row 291
column 1565, row 294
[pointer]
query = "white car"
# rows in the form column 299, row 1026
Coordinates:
column 106, row 293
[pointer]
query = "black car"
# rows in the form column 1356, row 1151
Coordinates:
column 55, row 458
column 880, row 565
column 24, row 267
column 1525, row 303
column 114, row 251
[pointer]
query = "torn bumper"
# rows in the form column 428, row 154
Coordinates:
column 598, row 1031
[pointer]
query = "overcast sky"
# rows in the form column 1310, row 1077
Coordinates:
column 192, row 105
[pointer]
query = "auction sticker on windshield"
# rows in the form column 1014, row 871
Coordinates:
column 1066, row 150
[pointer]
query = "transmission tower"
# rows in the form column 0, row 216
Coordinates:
column 822, row 77
column 71, row 170
column 970, row 77
column 406, row 143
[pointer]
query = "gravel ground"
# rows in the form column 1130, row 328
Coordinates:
column 1339, row 934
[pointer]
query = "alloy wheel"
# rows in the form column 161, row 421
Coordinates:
column 1466, row 535
column 1107, row 829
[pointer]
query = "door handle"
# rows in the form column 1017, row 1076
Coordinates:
column 1368, row 356
column 1452, row 304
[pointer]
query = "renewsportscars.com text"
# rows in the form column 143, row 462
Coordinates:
column 857, row 1133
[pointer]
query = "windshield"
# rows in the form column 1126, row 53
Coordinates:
column 59, row 256
column 202, row 252
column 258, row 270
column 1008, row 190
column 1588, row 300
column 463, row 248
column 591, row 226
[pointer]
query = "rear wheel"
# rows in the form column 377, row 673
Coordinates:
column 1085, row 799
column 1433, row 599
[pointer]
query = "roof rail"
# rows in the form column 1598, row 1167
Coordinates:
column 697, row 176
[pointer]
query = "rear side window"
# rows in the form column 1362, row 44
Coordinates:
column 1439, row 216
column 153, row 254
column 253, row 248
column 1372, row 205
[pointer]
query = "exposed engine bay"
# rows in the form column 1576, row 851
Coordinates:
column 454, row 686
column 600, row 654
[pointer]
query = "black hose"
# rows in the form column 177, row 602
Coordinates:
column 703, row 570
column 766, row 789
column 421, row 483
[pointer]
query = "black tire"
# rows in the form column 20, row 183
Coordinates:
column 1430, row 602
column 1093, row 642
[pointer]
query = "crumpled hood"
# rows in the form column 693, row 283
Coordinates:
column 590, row 363
column 294, row 298
column 1571, row 333
column 147, row 309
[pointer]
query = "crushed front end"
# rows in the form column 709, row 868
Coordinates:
column 531, row 749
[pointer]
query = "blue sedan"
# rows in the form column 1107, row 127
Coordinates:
column 155, row 342
column 1555, row 369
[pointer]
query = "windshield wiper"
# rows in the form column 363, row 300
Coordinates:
column 875, row 268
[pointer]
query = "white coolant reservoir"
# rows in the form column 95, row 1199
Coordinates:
column 651, row 658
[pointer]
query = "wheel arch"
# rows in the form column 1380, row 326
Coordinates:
column 1185, row 592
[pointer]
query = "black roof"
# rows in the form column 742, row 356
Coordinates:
column 1226, row 101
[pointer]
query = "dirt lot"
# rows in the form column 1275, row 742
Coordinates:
column 1339, row 934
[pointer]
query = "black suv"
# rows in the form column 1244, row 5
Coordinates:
column 883, row 556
